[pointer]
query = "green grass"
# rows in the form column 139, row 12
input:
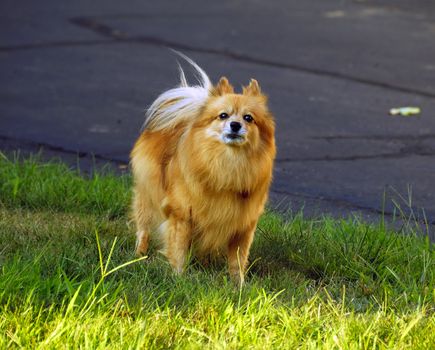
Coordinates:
column 312, row 284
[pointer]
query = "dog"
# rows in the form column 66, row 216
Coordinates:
column 202, row 168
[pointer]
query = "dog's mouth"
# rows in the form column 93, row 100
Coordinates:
column 233, row 138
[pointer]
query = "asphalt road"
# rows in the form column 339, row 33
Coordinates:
column 76, row 77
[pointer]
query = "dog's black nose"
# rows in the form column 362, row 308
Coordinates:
column 235, row 126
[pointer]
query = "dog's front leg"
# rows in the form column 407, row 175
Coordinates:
column 238, row 252
column 178, row 238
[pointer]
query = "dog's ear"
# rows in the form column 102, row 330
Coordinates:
column 252, row 89
column 223, row 87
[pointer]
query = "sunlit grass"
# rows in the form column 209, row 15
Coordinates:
column 312, row 283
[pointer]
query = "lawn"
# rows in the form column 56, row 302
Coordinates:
column 69, row 279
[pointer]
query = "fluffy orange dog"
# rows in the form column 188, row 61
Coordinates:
column 202, row 169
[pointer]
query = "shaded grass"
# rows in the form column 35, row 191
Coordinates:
column 31, row 184
column 312, row 283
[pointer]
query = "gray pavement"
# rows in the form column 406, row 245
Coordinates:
column 76, row 77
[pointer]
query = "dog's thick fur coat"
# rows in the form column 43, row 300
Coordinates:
column 197, row 183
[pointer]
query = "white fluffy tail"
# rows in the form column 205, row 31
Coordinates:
column 179, row 104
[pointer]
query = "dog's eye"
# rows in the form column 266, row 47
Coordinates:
column 223, row 116
column 248, row 118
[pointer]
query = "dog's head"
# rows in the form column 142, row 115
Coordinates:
column 237, row 120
